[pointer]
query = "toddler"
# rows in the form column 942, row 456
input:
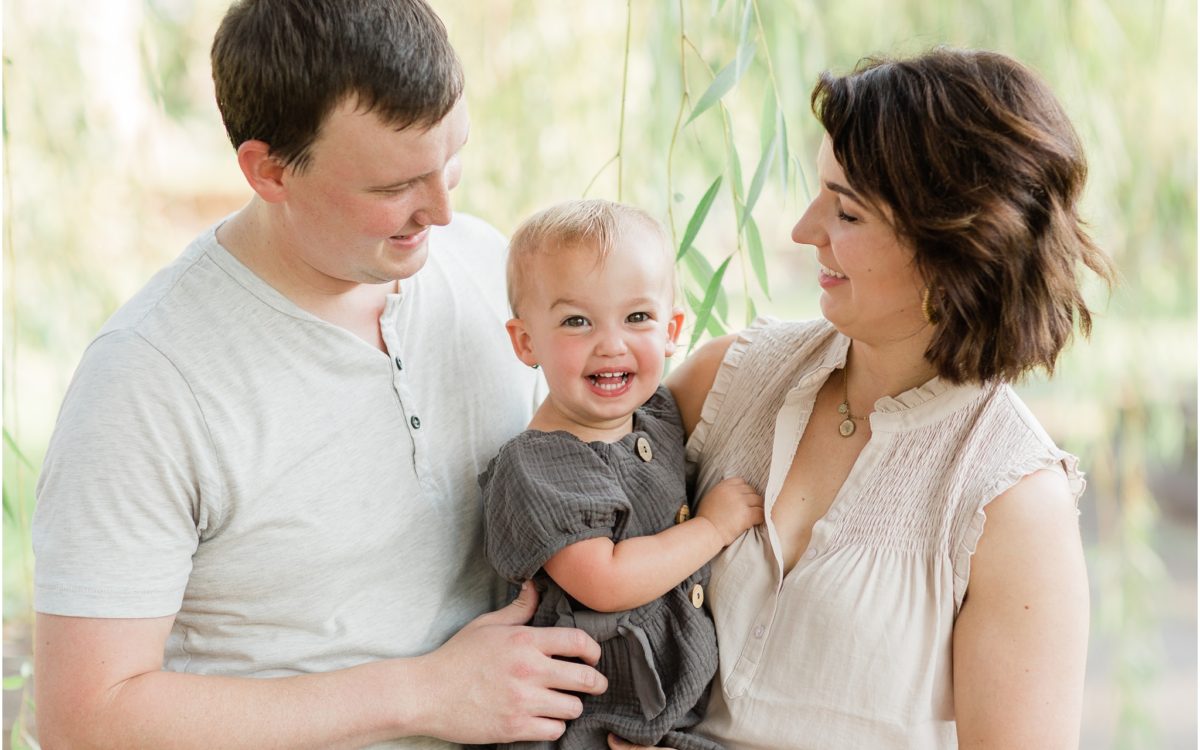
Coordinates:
column 591, row 501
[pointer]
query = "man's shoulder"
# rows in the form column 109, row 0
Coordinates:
column 470, row 255
column 176, row 292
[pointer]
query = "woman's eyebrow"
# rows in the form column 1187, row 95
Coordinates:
column 837, row 188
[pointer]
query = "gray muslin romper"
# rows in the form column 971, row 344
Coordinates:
column 547, row 490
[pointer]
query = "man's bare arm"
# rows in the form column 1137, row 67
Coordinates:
column 100, row 684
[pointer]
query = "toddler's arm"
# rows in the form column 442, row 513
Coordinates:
column 609, row 577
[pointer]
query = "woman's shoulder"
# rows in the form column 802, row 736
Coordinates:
column 767, row 350
column 1018, row 474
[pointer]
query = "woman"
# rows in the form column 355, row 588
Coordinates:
column 919, row 582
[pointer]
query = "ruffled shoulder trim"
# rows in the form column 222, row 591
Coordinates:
column 723, row 382
column 969, row 541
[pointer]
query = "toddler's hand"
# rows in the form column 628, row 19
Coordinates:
column 732, row 507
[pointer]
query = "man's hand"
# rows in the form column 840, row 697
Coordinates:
column 498, row 680
column 732, row 507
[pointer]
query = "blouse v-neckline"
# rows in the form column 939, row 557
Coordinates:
column 915, row 407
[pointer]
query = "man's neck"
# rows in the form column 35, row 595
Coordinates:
column 356, row 307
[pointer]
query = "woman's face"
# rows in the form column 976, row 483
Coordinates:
column 870, row 288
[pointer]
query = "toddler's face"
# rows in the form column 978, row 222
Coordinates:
column 599, row 332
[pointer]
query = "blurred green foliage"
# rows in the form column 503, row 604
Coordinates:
column 114, row 156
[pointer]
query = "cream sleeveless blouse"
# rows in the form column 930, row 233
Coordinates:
column 852, row 648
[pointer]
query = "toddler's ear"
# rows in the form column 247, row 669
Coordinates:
column 522, row 343
column 674, row 328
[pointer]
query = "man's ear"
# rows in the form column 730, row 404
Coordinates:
column 263, row 171
column 674, row 328
column 522, row 343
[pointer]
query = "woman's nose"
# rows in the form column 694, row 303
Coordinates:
column 808, row 230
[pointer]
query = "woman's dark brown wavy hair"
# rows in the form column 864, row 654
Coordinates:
column 981, row 172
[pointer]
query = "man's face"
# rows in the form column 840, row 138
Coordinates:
column 360, row 212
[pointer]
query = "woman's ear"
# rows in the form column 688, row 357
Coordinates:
column 674, row 328
column 522, row 342
column 263, row 171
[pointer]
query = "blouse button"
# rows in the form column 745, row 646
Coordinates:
column 810, row 554
column 415, row 422
column 759, row 630
column 697, row 596
column 643, row 449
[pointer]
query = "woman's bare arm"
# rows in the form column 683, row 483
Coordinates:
column 691, row 381
column 1020, row 641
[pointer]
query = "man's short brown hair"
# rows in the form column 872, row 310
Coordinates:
column 981, row 171
column 281, row 66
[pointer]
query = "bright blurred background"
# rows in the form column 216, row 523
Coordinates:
column 114, row 157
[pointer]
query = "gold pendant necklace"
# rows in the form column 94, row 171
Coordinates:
column 847, row 427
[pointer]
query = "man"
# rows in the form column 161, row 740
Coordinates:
column 265, row 465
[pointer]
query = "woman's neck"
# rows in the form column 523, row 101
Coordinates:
column 874, row 371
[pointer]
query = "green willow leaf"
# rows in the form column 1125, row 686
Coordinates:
column 784, row 162
column 747, row 17
column 760, row 176
column 757, row 259
column 724, row 81
column 713, row 326
column 698, row 217
column 702, row 271
column 9, row 507
column 751, row 311
column 735, row 181
column 769, row 120
column 710, row 298
column 12, row 446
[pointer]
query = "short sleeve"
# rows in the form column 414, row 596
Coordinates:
column 543, row 492
column 125, row 488
column 724, row 383
column 1020, row 452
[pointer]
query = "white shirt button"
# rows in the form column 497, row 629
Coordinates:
column 759, row 630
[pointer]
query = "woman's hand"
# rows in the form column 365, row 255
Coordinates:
column 616, row 743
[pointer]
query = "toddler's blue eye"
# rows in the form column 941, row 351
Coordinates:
column 575, row 321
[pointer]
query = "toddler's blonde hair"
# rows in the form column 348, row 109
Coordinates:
column 593, row 223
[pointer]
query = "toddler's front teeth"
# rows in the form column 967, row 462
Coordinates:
column 609, row 380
